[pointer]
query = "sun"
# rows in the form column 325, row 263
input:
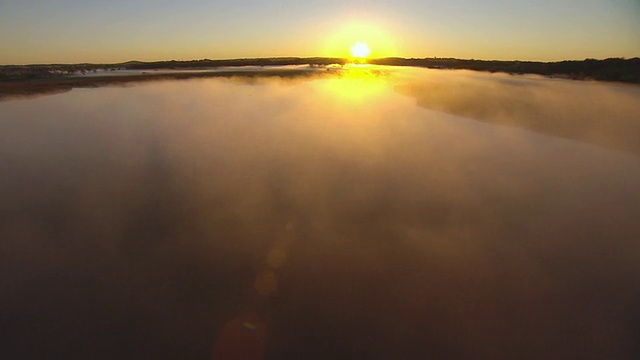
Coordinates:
column 360, row 50
column 358, row 40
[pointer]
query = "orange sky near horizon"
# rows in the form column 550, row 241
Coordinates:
column 99, row 31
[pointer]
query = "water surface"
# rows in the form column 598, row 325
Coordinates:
column 410, row 214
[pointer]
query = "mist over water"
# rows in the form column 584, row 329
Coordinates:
column 410, row 213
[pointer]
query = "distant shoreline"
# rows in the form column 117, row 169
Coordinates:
column 53, row 85
column 612, row 69
column 32, row 80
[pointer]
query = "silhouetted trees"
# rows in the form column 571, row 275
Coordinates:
column 613, row 69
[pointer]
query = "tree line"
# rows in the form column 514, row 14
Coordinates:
column 612, row 69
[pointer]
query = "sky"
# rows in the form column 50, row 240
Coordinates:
column 110, row 31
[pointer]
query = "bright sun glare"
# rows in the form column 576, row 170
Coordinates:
column 360, row 50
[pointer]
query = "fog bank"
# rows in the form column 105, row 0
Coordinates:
column 134, row 220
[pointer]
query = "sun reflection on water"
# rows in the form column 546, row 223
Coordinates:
column 358, row 82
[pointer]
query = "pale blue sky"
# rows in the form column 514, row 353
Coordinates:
column 63, row 31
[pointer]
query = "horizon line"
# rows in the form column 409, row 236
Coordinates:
column 317, row 57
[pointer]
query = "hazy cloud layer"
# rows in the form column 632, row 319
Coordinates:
column 598, row 113
column 133, row 220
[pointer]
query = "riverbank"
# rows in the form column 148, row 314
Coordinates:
column 63, row 83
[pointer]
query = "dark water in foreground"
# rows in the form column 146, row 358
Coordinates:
column 358, row 217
